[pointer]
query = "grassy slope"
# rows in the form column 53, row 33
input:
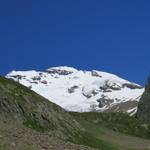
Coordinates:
column 31, row 114
column 117, row 140
column 14, row 136
column 25, row 108
column 33, row 118
column 108, row 127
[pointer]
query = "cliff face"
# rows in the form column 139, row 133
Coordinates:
column 143, row 112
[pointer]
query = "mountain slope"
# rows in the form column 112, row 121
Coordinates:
column 82, row 91
column 143, row 112
column 34, row 110
column 122, row 131
column 30, row 122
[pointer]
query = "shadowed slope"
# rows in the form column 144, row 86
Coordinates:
column 143, row 112
column 30, row 122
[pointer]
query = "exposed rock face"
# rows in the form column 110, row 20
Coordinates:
column 143, row 112
column 60, row 71
column 104, row 101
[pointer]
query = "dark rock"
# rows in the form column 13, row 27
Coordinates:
column 132, row 86
column 123, row 107
column 36, row 78
column 93, row 93
column 72, row 89
column 108, row 88
column 96, row 74
column 44, row 82
column 60, row 72
column 18, row 77
column 103, row 101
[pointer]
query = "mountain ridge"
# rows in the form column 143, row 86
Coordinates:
column 82, row 91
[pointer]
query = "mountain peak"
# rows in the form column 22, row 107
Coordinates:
column 77, row 90
column 62, row 70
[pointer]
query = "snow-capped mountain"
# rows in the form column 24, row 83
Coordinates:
column 81, row 91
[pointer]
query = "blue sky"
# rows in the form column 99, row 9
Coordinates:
column 112, row 36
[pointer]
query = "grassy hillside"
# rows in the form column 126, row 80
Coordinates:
column 30, row 122
column 23, row 110
column 121, row 131
column 116, row 140
column 34, row 111
column 117, row 122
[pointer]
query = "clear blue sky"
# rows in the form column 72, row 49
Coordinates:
column 107, row 35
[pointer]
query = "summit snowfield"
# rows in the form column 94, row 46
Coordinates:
column 82, row 91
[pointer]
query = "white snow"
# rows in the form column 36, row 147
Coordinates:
column 87, row 87
column 132, row 111
column 70, row 69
